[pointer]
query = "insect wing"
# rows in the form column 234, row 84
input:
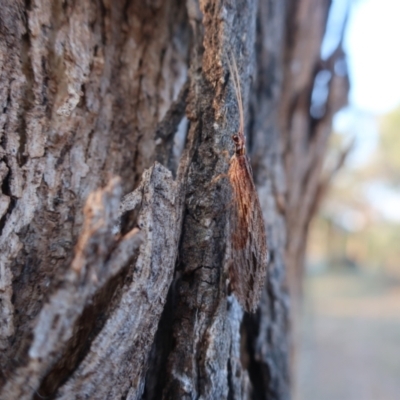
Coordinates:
column 249, row 248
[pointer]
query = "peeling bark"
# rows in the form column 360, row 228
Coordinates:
column 108, row 298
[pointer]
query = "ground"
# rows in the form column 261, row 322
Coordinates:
column 349, row 337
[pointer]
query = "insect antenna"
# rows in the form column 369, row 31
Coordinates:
column 233, row 69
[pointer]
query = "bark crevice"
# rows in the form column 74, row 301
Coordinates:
column 90, row 90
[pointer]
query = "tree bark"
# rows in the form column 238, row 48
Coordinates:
column 116, row 118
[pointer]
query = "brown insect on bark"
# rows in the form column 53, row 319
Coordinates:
column 249, row 252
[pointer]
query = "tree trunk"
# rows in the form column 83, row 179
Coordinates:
column 116, row 120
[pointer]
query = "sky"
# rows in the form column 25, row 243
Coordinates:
column 372, row 45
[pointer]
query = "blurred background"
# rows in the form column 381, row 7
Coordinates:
column 350, row 322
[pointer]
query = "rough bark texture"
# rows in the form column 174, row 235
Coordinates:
column 108, row 298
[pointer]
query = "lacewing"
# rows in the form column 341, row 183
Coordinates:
column 249, row 252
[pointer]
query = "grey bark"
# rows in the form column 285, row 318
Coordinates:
column 116, row 117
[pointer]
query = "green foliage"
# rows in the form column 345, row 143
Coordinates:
column 389, row 147
column 349, row 228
